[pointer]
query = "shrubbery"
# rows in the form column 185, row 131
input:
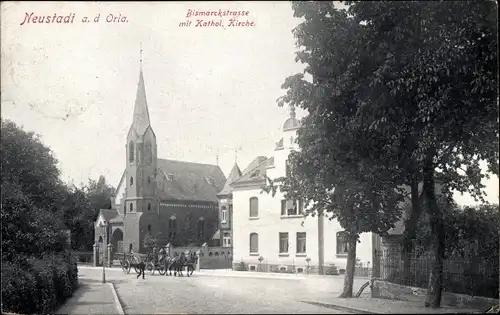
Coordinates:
column 33, row 285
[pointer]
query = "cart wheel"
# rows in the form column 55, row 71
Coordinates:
column 126, row 266
column 150, row 267
column 162, row 270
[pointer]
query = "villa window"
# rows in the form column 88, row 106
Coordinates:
column 301, row 243
column 290, row 207
column 131, row 207
column 131, row 181
column 254, row 207
column 342, row 243
column 283, row 243
column 254, row 243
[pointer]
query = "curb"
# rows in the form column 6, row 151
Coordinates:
column 341, row 308
column 117, row 300
column 208, row 274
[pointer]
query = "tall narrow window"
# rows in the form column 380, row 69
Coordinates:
column 149, row 207
column 172, row 227
column 254, row 207
column 148, row 152
column 201, row 228
column 283, row 243
column 131, row 181
column 226, row 240
column 301, row 242
column 223, row 214
column 149, row 228
column 131, row 151
column 254, row 243
column 131, row 207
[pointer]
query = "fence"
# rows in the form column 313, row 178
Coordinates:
column 476, row 276
column 84, row 257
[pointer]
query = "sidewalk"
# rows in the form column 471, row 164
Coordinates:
column 368, row 305
column 92, row 297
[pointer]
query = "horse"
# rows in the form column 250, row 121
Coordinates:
column 190, row 262
column 176, row 263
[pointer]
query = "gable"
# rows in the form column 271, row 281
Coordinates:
column 120, row 191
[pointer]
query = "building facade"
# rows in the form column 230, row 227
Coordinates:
column 272, row 231
column 170, row 201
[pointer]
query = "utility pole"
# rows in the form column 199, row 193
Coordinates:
column 321, row 243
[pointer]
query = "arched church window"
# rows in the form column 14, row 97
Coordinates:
column 172, row 227
column 131, row 181
column 148, row 152
column 201, row 228
column 131, row 151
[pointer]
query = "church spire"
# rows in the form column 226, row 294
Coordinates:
column 141, row 113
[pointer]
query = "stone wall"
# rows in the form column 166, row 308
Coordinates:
column 387, row 290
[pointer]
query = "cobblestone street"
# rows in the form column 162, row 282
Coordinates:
column 215, row 294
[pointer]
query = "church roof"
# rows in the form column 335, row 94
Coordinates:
column 233, row 175
column 141, row 114
column 257, row 173
column 108, row 214
column 179, row 180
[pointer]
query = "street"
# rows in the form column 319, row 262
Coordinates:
column 204, row 293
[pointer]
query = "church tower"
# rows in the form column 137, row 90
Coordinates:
column 141, row 158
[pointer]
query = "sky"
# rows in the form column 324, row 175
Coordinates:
column 210, row 90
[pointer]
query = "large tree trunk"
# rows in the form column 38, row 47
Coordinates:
column 351, row 265
column 433, row 298
column 411, row 230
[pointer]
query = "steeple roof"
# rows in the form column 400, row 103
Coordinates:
column 233, row 175
column 141, row 114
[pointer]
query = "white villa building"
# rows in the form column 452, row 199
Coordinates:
column 267, row 231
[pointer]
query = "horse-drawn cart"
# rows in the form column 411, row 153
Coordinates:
column 131, row 261
column 134, row 260
column 159, row 265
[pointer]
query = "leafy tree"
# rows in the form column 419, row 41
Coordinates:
column 32, row 223
column 438, row 74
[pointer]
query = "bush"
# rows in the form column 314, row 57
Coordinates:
column 38, row 285
column 332, row 270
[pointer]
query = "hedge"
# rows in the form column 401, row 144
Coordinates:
column 38, row 285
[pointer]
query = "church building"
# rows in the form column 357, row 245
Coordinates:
column 171, row 201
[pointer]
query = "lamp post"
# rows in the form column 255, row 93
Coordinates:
column 105, row 242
